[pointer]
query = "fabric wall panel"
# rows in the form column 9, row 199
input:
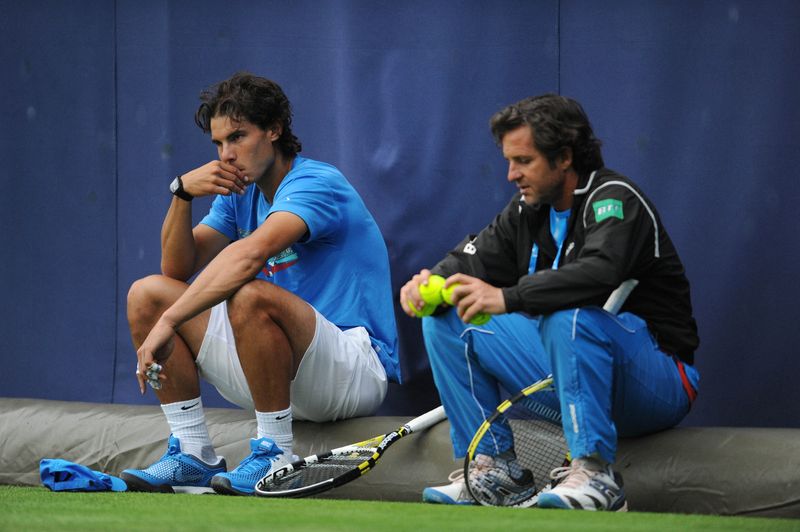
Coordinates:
column 694, row 100
column 697, row 101
column 57, row 205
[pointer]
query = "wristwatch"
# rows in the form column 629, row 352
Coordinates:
column 176, row 187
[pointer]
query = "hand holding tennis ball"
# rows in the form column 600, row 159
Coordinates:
column 480, row 318
column 431, row 294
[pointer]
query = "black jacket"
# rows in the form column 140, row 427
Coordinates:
column 613, row 233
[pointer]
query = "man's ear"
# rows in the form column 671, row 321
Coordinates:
column 564, row 160
column 275, row 131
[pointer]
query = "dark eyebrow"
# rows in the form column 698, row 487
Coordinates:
column 235, row 133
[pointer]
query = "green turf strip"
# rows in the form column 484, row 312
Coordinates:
column 32, row 508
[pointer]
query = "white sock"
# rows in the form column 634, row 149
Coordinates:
column 187, row 421
column 277, row 426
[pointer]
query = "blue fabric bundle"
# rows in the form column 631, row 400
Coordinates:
column 62, row 475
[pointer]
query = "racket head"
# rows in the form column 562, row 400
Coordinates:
column 309, row 476
column 318, row 473
column 538, row 445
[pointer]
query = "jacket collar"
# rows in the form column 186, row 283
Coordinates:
column 584, row 185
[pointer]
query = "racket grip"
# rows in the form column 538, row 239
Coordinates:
column 618, row 296
column 427, row 420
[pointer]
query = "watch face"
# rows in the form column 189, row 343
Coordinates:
column 174, row 185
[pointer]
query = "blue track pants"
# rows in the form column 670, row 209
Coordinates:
column 611, row 378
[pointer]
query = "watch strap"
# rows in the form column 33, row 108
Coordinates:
column 180, row 192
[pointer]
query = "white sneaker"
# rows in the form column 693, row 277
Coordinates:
column 585, row 485
column 500, row 480
column 453, row 493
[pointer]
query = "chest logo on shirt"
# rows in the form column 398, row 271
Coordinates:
column 608, row 208
column 283, row 260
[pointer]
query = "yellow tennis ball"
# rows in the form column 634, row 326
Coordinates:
column 426, row 310
column 431, row 291
column 447, row 293
column 481, row 318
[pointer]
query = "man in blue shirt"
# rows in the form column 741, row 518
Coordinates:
column 291, row 314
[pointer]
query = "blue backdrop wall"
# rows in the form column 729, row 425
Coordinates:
column 696, row 100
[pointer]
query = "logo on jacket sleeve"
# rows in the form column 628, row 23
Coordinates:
column 607, row 208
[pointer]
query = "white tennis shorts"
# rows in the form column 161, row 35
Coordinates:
column 339, row 377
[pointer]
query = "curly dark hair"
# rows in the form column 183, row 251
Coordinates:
column 258, row 100
column 557, row 122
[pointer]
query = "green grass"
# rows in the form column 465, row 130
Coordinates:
column 33, row 508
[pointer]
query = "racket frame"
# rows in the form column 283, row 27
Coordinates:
column 378, row 445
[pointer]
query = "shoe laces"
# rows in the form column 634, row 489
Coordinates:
column 481, row 463
column 456, row 476
column 572, row 476
column 173, row 447
column 505, row 462
column 255, row 462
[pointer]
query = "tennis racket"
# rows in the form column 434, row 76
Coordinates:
column 321, row 472
column 534, row 421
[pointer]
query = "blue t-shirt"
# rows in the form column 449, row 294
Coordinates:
column 558, row 229
column 341, row 266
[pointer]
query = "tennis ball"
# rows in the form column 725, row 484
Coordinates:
column 481, row 318
column 431, row 291
column 426, row 310
column 447, row 294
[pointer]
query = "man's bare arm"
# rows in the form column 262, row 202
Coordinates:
column 184, row 251
column 236, row 265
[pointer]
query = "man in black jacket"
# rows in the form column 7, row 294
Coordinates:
column 543, row 268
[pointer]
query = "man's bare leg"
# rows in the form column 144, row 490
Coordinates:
column 273, row 329
column 179, row 395
column 148, row 298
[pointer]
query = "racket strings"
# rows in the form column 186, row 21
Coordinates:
column 538, row 444
column 317, row 472
column 540, row 448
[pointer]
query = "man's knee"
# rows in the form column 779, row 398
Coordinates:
column 444, row 336
column 147, row 297
column 575, row 329
column 557, row 324
column 254, row 300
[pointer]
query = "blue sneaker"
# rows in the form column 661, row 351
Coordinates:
column 264, row 456
column 174, row 472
